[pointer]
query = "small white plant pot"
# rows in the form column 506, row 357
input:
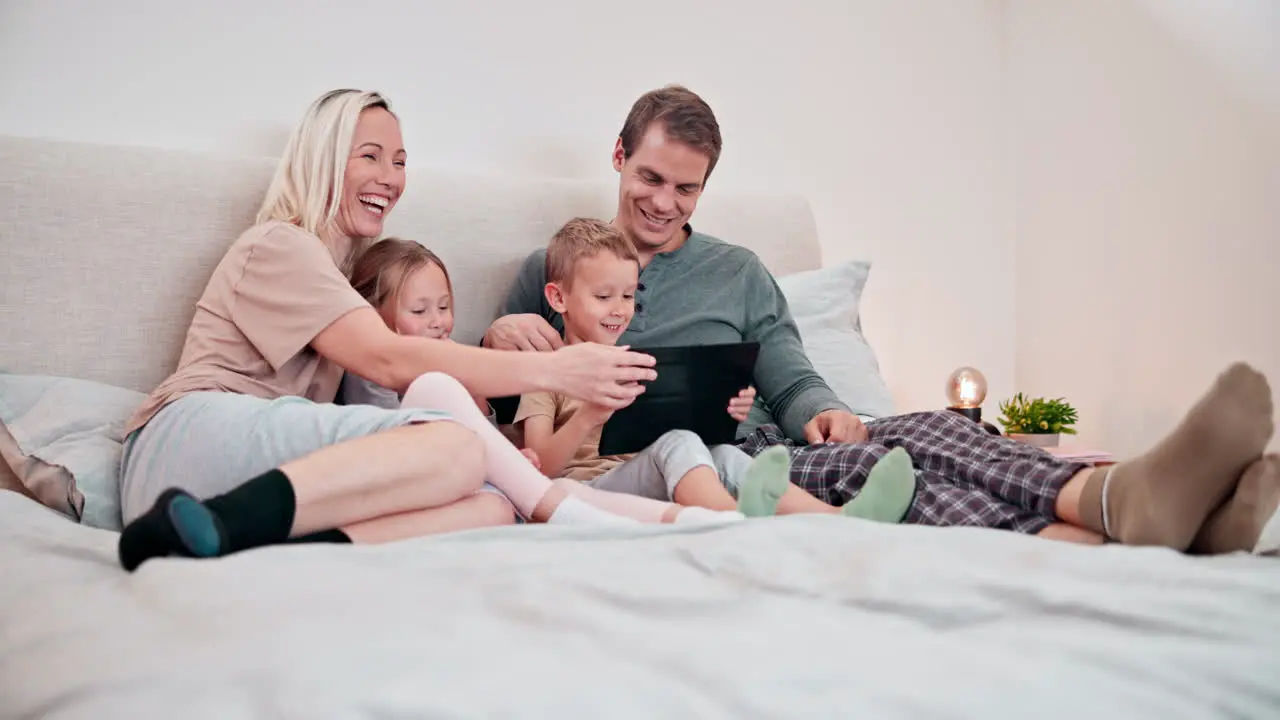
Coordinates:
column 1037, row 439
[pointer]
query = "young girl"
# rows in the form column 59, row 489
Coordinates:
column 410, row 288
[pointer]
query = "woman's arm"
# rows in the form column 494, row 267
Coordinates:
column 361, row 343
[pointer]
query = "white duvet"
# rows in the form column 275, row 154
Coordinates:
column 815, row 617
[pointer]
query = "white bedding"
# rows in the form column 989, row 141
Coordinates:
column 797, row 617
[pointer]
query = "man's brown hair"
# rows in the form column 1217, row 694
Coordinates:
column 582, row 238
column 686, row 117
column 381, row 271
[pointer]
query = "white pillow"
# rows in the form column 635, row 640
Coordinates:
column 825, row 305
column 62, row 438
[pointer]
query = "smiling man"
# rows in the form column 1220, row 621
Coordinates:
column 697, row 290
column 693, row 288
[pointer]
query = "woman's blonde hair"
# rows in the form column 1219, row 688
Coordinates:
column 307, row 188
column 381, row 271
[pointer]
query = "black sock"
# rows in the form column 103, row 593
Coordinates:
column 177, row 524
column 259, row 512
column 335, row 536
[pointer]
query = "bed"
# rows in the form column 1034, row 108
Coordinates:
column 789, row 617
column 105, row 251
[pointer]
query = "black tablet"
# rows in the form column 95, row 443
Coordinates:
column 692, row 392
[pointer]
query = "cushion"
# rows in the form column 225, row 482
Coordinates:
column 825, row 304
column 62, row 438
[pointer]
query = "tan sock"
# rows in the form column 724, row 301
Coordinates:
column 1164, row 496
column 1237, row 524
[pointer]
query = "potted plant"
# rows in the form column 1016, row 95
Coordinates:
column 1037, row 421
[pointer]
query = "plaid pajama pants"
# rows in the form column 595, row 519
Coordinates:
column 964, row 475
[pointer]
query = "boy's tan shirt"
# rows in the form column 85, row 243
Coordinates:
column 586, row 463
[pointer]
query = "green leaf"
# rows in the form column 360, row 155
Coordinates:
column 1021, row 414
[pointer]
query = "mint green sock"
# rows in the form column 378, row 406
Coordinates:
column 888, row 492
column 765, row 481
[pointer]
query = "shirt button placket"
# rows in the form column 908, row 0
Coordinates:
column 647, row 276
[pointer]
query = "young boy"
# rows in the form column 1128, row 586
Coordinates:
column 592, row 275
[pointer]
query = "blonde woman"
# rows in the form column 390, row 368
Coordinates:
column 242, row 446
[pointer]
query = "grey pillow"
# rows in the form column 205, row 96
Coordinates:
column 62, row 438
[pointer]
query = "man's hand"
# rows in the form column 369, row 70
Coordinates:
column 522, row 332
column 741, row 405
column 835, row 426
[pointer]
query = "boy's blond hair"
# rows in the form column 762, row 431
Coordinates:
column 582, row 238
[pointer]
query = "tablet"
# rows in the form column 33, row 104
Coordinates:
column 692, row 392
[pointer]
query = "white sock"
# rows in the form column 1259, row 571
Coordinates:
column 573, row 511
column 704, row 516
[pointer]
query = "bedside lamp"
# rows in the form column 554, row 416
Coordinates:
column 966, row 390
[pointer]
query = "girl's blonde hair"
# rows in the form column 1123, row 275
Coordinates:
column 381, row 271
column 307, row 188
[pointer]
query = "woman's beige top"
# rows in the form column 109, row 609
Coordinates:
column 277, row 287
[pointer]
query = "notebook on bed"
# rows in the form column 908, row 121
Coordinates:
column 692, row 392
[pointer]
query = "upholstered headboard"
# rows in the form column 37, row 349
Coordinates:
column 106, row 249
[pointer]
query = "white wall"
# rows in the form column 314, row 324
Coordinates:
column 1147, row 205
column 887, row 115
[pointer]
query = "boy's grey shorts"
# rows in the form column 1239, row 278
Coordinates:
column 655, row 471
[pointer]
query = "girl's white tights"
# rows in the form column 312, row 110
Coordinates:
column 516, row 477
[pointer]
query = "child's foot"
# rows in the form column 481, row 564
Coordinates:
column 766, row 480
column 1237, row 524
column 888, row 492
column 177, row 524
column 1165, row 496
column 702, row 516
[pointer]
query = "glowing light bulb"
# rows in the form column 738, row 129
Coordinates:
column 966, row 388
